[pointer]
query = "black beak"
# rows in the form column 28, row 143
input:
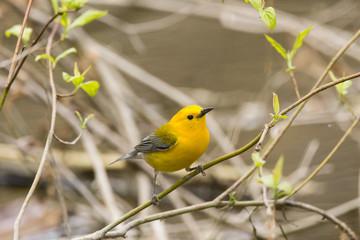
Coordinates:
column 204, row 111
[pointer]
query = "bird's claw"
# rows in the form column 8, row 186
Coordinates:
column 155, row 200
column 198, row 169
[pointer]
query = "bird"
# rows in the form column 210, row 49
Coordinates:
column 175, row 145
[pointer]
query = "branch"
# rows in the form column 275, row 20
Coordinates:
column 68, row 142
column 317, row 90
column 295, row 84
column 48, row 140
column 215, row 204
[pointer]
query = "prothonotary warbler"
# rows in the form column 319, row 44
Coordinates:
column 176, row 144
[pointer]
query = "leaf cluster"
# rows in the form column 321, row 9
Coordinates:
column 90, row 87
column 273, row 181
column 268, row 14
column 276, row 106
column 289, row 55
column 85, row 18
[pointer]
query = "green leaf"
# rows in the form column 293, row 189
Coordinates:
column 87, row 119
column 55, row 5
column 332, row 76
column 282, row 117
column 76, row 69
column 64, row 19
column 277, row 46
column 247, row 1
column 87, row 17
column 77, row 80
column 268, row 180
column 67, row 77
column 269, row 17
column 74, row 4
column 44, row 56
column 346, row 85
column 277, row 172
column 276, row 104
column 80, row 118
column 64, row 54
column 15, row 30
column 255, row 156
column 83, row 74
column 285, row 187
column 341, row 88
column 299, row 40
column 257, row 4
column 90, row 87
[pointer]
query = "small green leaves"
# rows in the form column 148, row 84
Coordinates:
column 83, row 122
column 257, row 4
column 273, row 182
column 64, row 54
column 15, row 30
column 277, row 46
column 60, row 56
column 276, row 106
column 82, row 20
column 277, row 172
column 87, row 17
column 74, row 4
column 44, row 56
column 258, row 161
column 289, row 55
column 268, row 16
column 299, row 41
column 341, row 88
column 90, row 87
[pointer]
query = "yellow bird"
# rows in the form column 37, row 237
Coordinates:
column 176, row 144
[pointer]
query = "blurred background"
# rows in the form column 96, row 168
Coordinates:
column 151, row 59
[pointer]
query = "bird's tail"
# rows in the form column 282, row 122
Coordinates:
column 127, row 156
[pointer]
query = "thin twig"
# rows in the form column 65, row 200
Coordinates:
column 317, row 90
column 321, row 165
column 73, row 141
column 295, row 84
column 60, row 193
column 16, row 52
column 262, row 138
column 48, row 140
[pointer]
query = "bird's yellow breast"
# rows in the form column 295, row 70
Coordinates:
column 191, row 144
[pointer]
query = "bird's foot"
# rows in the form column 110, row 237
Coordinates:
column 155, row 200
column 198, row 168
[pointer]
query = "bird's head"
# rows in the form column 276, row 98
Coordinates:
column 190, row 117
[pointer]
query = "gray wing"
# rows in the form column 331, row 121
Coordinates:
column 152, row 143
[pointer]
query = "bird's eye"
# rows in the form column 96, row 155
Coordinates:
column 190, row 117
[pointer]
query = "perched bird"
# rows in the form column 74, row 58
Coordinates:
column 176, row 144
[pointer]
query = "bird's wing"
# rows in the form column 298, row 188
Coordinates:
column 152, row 143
